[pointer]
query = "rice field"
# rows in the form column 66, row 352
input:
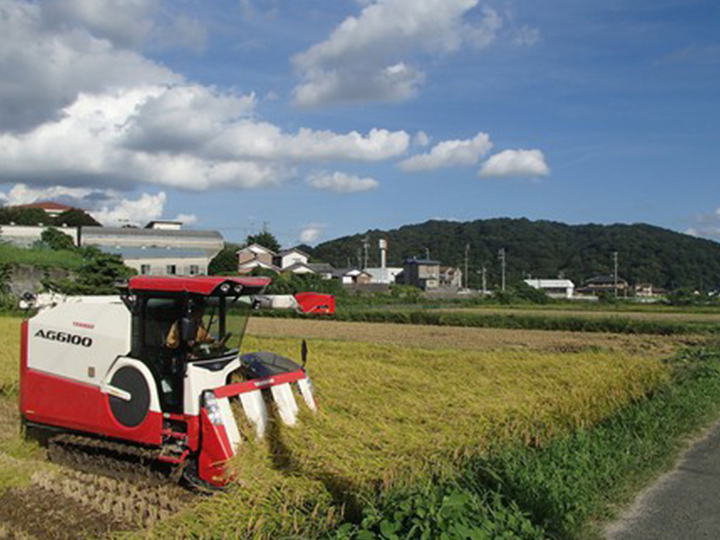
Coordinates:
column 397, row 406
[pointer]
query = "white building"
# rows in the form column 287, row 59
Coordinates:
column 554, row 288
column 385, row 275
column 290, row 257
column 157, row 250
column 27, row 235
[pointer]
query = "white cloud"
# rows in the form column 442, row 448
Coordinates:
column 47, row 68
column 421, row 139
column 367, row 58
column 341, row 182
column 706, row 225
column 311, row 232
column 515, row 163
column 109, row 207
column 84, row 110
column 124, row 22
column 456, row 153
column 147, row 208
column 527, row 36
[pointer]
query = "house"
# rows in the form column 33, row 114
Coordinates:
column 351, row 276
column 324, row 270
column 647, row 290
column 451, row 277
column 256, row 256
column 554, row 288
column 51, row 208
column 289, row 257
column 604, row 284
column 157, row 251
column 421, row 273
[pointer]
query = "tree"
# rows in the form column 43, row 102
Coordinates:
column 23, row 216
column 225, row 262
column 265, row 239
column 98, row 275
column 75, row 217
column 57, row 240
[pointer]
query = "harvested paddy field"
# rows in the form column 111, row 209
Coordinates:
column 449, row 337
column 399, row 405
column 654, row 315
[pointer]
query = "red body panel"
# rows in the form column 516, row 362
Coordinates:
column 316, row 303
column 216, row 450
column 54, row 401
column 255, row 384
column 199, row 285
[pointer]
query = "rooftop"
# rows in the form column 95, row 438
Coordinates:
column 123, row 231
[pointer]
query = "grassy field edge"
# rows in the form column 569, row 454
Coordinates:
column 617, row 325
column 567, row 488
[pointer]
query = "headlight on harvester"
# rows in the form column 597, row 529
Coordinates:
column 210, row 403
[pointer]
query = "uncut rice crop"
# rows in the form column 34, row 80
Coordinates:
column 390, row 416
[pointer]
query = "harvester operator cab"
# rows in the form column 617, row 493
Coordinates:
column 173, row 328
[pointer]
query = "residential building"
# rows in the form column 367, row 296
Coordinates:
column 451, row 277
column 324, row 270
column 352, row 276
column 422, row 273
column 289, row 257
column 554, row 288
column 256, row 256
column 604, row 284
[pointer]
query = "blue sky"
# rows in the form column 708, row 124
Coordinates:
column 326, row 118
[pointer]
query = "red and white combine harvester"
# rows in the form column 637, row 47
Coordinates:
column 155, row 368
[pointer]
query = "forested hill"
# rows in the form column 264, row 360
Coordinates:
column 544, row 249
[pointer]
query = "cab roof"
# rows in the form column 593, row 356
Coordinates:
column 204, row 285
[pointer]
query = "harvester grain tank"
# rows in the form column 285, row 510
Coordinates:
column 156, row 368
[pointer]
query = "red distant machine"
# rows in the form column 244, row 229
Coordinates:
column 312, row 303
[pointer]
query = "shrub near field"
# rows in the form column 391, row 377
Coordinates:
column 392, row 417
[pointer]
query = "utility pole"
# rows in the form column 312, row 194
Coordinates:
column 484, row 280
column 501, row 256
column 615, row 272
column 366, row 246
column 467, row 254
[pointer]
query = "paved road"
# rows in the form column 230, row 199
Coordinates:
column 683, row 504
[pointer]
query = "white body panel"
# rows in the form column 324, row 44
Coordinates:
column 107, row 388
column 80, row 338
column 197, row 380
